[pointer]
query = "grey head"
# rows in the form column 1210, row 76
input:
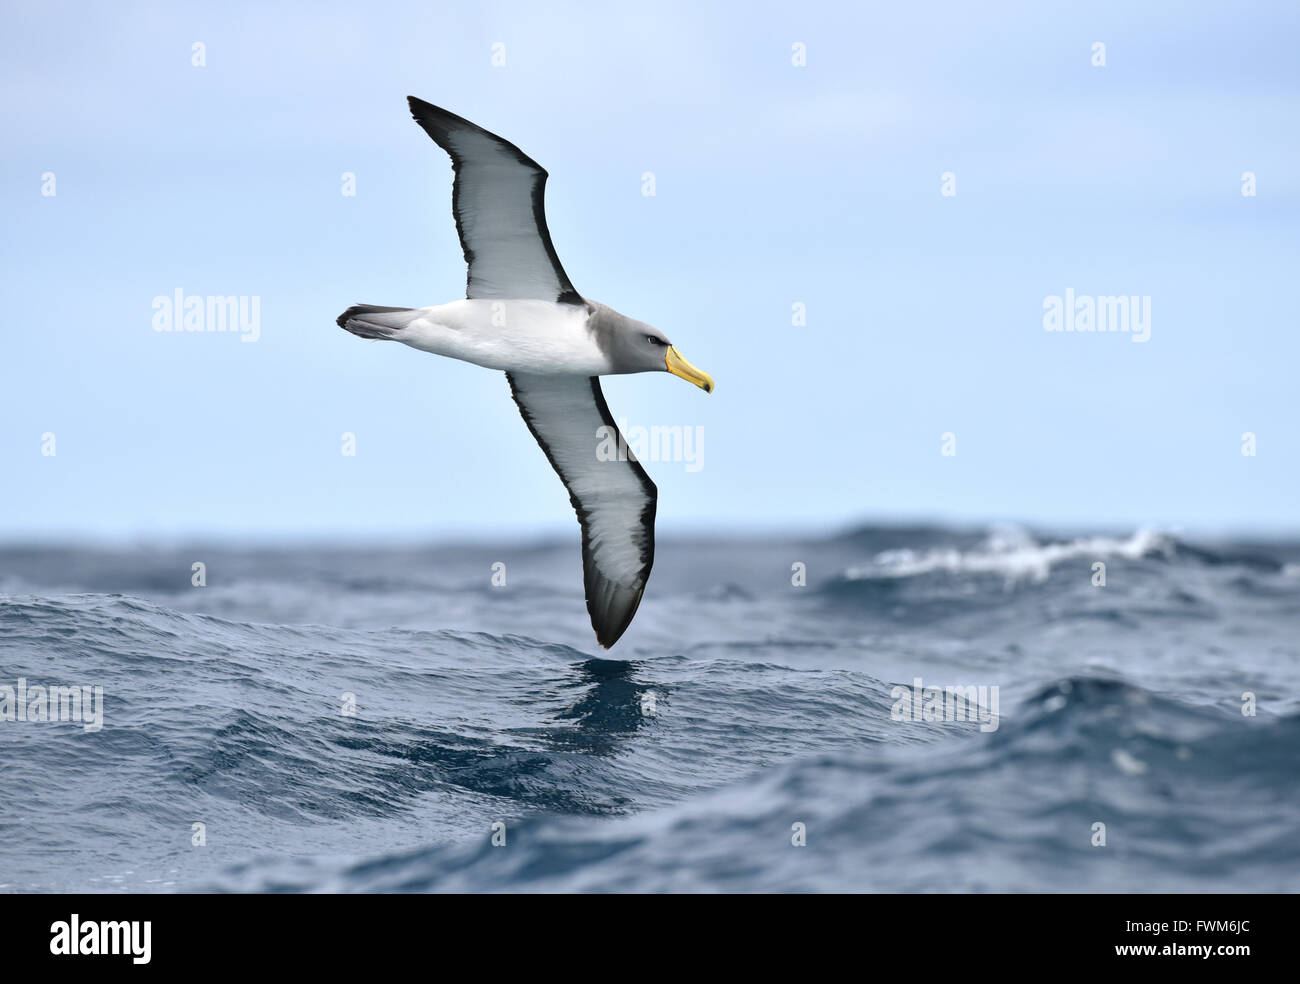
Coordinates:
column 634, row 346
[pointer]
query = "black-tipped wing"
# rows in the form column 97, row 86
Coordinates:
column 610, row 491
column 498, row 200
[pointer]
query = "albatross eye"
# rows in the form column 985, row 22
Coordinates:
column 655, row 341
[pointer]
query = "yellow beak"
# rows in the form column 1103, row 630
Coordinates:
column 680, row 367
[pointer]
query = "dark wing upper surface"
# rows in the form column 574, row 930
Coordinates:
column 613, row 496
column 498, row 200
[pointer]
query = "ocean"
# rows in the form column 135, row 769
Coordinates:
column 438, row 717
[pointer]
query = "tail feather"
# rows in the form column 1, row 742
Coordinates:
column 375, row 320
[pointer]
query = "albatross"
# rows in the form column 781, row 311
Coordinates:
column 522, row 314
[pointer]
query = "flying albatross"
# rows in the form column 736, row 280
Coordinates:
column 522, row 314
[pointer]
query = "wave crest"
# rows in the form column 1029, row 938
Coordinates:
column 1015, row 556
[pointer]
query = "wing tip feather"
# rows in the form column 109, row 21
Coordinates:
column 612, row 606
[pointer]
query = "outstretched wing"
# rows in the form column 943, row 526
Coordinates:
column 498, row 200
column 610, row 491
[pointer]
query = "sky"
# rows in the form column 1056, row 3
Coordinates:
column 860, row 214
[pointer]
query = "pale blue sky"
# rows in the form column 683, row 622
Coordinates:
column 774, row 185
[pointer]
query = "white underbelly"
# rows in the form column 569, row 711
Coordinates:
column 519, row 336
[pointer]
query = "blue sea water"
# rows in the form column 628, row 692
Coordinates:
column 741, row 713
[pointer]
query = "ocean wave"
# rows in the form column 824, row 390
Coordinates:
column 1014, row 811
column 335, row 720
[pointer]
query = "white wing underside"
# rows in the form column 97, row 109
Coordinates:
column 498, row 200
column 614, row 499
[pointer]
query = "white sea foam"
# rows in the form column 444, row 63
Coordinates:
column 1013, row 554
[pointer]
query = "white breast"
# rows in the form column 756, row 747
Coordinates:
column 517, row 336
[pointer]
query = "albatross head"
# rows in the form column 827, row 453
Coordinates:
column 634, row 346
